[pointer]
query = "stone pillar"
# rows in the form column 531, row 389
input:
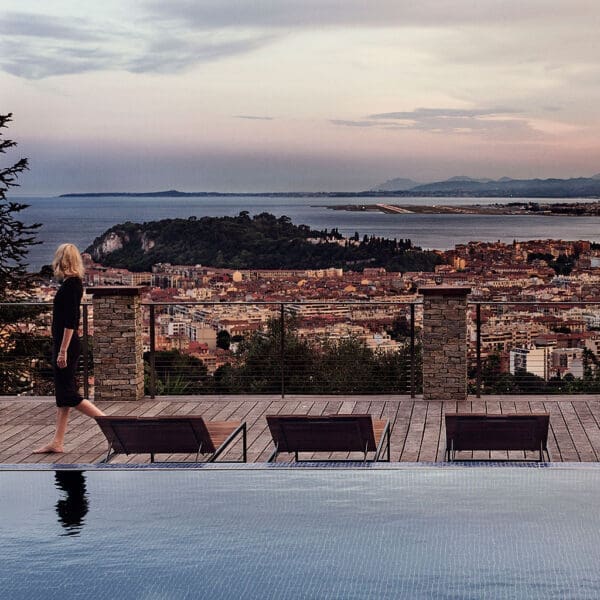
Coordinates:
column 444, row 342
column 118, row 350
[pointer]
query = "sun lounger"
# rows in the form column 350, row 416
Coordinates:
column 330, row 433
column 170, row 435
column 477, row 431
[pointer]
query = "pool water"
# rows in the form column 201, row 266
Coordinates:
column 301, row 533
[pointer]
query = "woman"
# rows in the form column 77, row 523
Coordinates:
column 68, row 268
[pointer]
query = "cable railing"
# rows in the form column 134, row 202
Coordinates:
column 321, row 347
column 282, row 348
column 26, row 349
column 545, row 347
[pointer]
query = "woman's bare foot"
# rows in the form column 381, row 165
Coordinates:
column 50, row 449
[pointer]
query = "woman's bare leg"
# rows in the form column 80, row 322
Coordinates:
column 89, row 409
column 62, row 418
column 57, row 444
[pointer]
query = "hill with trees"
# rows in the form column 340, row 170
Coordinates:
column 259, row 242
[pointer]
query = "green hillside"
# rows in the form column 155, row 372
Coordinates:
column 244, row 242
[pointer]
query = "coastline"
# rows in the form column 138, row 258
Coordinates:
column 578, row 209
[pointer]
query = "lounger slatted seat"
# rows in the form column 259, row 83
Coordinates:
column 170, row 435
column 329, row 433
column 480, row 431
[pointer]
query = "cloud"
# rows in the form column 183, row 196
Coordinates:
column 33, row 62
column 494, row 122
column 343, row 13
column 347, row 123
column 36, row 45
column 174, row 55
column 442, row 113
column 253, row 118
column 15, row 24
column 39, row 46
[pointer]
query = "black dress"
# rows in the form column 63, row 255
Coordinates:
column 66, row 314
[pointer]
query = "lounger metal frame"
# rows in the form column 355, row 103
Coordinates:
column 241, row 429
column 481, row 432
column 383, row 445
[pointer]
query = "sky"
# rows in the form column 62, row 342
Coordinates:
column 307, row 95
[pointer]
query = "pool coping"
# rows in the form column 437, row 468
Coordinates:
column 320, row 466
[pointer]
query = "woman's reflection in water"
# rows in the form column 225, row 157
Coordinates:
column 72, row 509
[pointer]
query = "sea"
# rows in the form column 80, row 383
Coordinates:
column 80, row 220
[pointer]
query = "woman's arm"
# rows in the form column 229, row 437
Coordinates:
column 72, row 299
column 61, row 361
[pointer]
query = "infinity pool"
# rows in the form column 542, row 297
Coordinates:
column 301, row 533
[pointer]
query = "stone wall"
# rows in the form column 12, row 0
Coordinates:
column 118, row 351
column 444, row 343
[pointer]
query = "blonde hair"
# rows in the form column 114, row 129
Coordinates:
column 67, row 262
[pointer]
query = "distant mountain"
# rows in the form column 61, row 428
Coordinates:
column 579, row 187
column 461, row 185
column 400, row 183
column 523, row 188
column 161, row 194
column 465, row 178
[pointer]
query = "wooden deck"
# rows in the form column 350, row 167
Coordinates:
column 417, row 426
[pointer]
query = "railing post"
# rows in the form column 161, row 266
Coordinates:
column 152, row 352
column 478, row 348
column 86, row 353
column 118, row 346
column 444, row 343
column 412, row 351
column 282, row 348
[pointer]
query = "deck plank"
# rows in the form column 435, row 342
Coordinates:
column 577, row 432
column 414, row 438
column 431, row 434
column 401, row 427
column 589, row 424
column 417, row 426
column 564, row 441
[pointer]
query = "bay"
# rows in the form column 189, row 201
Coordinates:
column 80, row 220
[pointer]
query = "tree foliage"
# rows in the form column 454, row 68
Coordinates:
column 177, row 373
column 495, row 381
column 259, row 242
column 223, row 339
column 563, row 265
column 16, row 238
column 276, row 359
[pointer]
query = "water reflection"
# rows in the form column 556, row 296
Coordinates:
column 73, row 508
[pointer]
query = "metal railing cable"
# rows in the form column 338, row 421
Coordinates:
column 287, row 351
column 322, row 347
column 26, row 349
column 545, row 347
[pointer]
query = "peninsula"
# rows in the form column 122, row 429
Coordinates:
column 259, row 242
column 563, row 209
